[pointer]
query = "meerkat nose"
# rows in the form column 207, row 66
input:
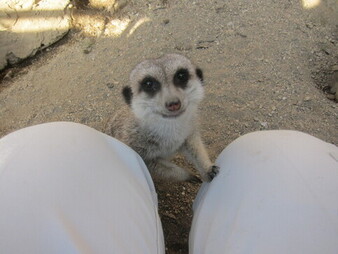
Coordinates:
column 173, row 105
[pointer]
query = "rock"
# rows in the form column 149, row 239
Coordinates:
column 331, row 96
column 183, row 46
column 27, row 26
column 88, row 45
column 310, row 25
column 87, row 50
column 110, row 85
column 334, row 82
column 231, row 25
column 264, row 124
column 204, row 44
column 307, row 98
column 12, row 59
column 9, row 75
column 121, row 4
column 170, row 215
column 102, row 4
column 109, row 5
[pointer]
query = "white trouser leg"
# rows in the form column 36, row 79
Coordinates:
column 277, row 192
column 66, row 188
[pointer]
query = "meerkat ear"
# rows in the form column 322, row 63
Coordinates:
column 199, row 74
column 127, row 94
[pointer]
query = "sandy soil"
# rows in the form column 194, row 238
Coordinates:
column 267, row 64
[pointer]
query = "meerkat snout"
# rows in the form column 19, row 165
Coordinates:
column 163, row 96
column 173, row 105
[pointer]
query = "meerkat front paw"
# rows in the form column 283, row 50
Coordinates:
column 212, row 172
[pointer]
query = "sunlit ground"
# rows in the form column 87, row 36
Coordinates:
column 309, row 4
column 28, row 23
column 93, row 24
column 96, row 25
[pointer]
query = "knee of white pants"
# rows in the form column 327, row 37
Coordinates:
column 66, row 188
column 277, row 192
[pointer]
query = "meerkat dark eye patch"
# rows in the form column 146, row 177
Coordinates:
column 150, row 85
column 199, row 74
column 181, row 78
column 127, row 94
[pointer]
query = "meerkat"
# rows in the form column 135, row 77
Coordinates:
column 161, row 118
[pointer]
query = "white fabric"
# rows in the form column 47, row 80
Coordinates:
column 66, row 188
column 277, row 192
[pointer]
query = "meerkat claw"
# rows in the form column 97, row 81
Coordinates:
column 214, row 170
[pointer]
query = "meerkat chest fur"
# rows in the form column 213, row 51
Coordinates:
column 169, row 135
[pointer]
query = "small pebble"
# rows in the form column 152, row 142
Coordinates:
column 110, row 85
column 307, row 98
column 330, row 96
column 264, row 124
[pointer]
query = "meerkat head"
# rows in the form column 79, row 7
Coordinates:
column 165, row 88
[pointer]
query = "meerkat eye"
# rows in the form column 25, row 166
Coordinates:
column 150, row 85
column 181, row 78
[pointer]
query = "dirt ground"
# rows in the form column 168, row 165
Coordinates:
column 267, row 65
